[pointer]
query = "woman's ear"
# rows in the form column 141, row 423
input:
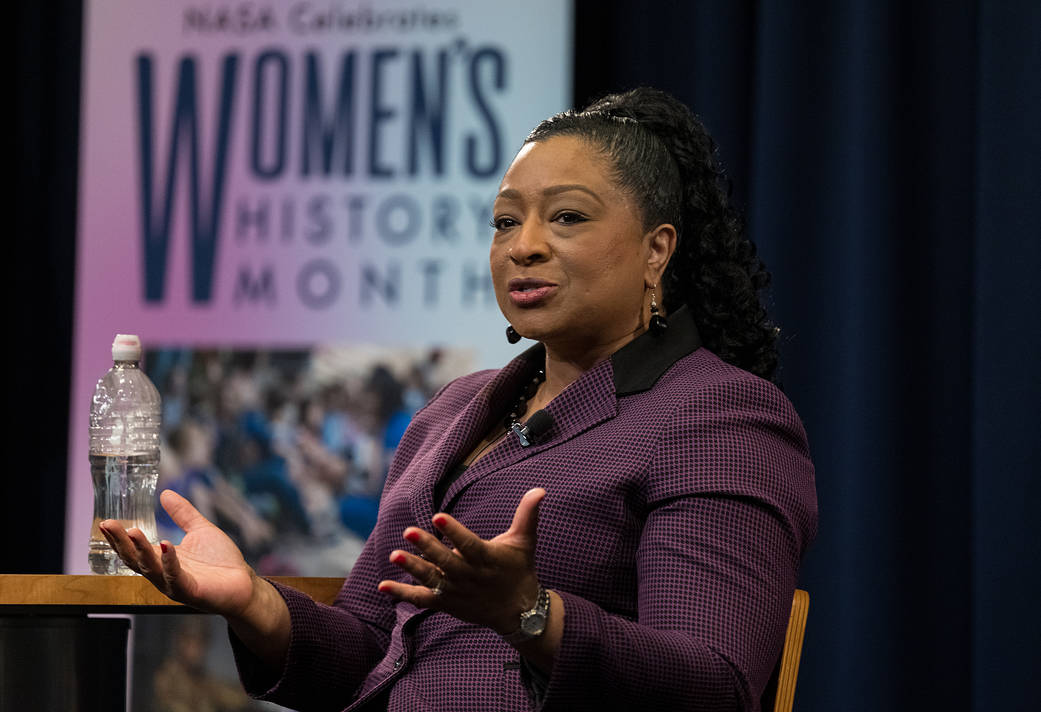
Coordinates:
column 661, row 243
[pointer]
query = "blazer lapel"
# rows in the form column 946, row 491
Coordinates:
column 588, row 401
column 461, row 436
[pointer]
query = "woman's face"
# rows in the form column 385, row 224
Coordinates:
column 570, row 259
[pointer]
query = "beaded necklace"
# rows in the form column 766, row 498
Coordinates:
column 520, row 407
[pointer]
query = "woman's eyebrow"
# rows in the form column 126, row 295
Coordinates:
column 512, row 194
column 557, row 189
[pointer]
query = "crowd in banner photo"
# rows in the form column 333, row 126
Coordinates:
column 287, row 450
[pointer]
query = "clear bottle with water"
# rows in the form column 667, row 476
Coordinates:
column 124, row 452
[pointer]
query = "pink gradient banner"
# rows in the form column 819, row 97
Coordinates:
column 293, row 174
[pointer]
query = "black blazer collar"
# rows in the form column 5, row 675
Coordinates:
column 639, row 364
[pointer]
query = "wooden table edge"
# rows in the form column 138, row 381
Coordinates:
column 100, row 594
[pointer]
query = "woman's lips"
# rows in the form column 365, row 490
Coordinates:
column 529, row 292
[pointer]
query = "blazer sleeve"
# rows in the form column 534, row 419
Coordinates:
column 331, row 648
column 731, row 507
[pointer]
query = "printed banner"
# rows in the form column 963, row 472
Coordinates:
column 289, row 203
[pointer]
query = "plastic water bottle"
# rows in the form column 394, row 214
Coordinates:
column 124, row 452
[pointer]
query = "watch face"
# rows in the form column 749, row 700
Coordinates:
column 534, row 623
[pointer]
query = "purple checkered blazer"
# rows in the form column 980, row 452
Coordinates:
column 680, row 500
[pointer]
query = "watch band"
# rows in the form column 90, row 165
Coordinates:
column 533, row 621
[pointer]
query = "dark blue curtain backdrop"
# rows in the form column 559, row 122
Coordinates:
column 886, row 153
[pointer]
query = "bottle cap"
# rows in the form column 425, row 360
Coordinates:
column 126, row 347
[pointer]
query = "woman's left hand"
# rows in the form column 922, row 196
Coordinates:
column 489, row 583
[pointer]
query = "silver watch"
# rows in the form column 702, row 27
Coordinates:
column 533, row 621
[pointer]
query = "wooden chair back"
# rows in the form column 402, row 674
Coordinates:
column 788, row 667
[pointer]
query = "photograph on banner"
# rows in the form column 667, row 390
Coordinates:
column 287, row 450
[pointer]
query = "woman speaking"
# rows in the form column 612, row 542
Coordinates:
column 615, row 519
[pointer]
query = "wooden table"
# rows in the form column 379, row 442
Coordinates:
column 54, row 657
column 53, row 594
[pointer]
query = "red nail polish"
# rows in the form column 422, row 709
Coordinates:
column 412, row 535
column 440, row 521
column 162, row 545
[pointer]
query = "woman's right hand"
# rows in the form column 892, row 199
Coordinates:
column 206, row 571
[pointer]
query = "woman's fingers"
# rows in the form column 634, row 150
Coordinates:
column 477, row 580
column 425, row 572
column 147, row 562
column 431, row 549
column 470, row 546
column 140, row 555
column 472, row 556
column 419, row 596
column 121, row 543
column 184, row 514
column 116, row 538
column 526, row 518
column 173, row 576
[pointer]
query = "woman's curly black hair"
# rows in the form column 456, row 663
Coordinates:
column 661, row 154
